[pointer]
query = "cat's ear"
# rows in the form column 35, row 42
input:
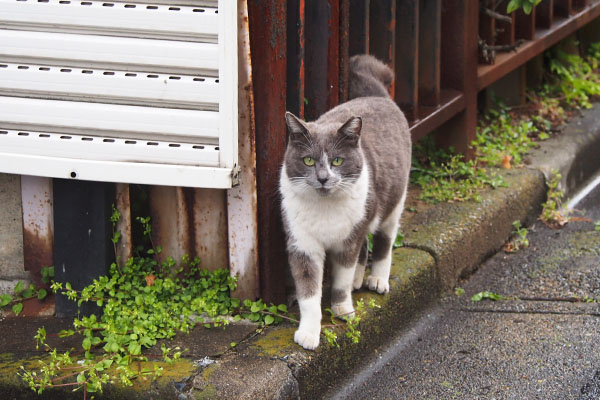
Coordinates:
column 296, row 128
column 351, row 130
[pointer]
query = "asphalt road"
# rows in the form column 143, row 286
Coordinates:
column 542, row 342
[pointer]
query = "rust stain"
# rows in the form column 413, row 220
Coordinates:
column 37, row 253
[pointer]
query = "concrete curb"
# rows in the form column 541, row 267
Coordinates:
column 442, row 243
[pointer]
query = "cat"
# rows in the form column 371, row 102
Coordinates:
column 344, row 175
column 368, row 77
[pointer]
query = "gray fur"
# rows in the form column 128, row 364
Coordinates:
column 369, row 77
column 369, row 133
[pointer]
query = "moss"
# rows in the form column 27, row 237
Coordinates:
column 276, row 342
column 206, row 389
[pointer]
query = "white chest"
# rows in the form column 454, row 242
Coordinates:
column 323, row 222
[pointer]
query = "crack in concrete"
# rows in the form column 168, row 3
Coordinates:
column 548, row 312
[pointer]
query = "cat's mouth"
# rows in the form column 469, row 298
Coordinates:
column 323, row 191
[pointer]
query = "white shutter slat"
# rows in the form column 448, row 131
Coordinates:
column 118, row 87
column 109, row 119
column 109, row 52
column 111, row 18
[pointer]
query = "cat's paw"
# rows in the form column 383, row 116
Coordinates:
column 343, row 310
column 308, row 340
column 358, row 283
column 378, row 284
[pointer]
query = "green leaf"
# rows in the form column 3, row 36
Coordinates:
column 19, row 288
column 527, row 8
column 269, row 319
column 81, row 377
column 255, row 308
column 282, row 308
column 486, row 295
column 135, row 348
column 65, row 333
column 17, row 308
column 513, row 5
column 5, row 299
column 42, row 293
column 86, row 343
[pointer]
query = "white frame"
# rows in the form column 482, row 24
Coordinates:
column 92, row 152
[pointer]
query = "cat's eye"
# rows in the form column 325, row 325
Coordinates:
column 337, row 161
column 309, row 161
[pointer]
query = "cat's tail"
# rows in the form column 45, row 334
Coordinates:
column 369, row 77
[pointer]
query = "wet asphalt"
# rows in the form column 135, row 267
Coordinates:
column 541, row 342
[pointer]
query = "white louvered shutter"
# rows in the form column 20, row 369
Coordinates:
column 137, row 92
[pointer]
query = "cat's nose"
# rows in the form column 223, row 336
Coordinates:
column 322, row 180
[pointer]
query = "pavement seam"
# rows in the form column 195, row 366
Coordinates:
column 592, row 314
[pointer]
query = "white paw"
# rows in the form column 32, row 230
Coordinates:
column 377, row 284
column 343, row 310
column 357, row 284
column 306, row 339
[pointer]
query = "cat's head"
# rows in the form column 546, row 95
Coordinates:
column 323, row 158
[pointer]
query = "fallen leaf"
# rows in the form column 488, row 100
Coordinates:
column 506, row 162
column 150, row 280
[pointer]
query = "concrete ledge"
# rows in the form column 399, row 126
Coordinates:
column 461, row 235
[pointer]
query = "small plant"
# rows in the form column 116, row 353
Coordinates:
column 525, row 5
column 20, row 294
column 487, row 295
column 350, row 325
column 459, row 291
column 597, row 226
column 519, row 241
column 553, row 215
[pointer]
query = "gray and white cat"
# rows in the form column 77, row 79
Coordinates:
column 344, row 175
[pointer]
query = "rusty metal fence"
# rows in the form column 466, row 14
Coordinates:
column 443, row 53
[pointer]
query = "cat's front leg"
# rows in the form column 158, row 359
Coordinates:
column 307, row 271
column 361, row 265
column 343, row 274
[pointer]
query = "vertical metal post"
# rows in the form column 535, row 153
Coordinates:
column 407, row 59
column 563, row 8
column 525, row 25
column 268, row 48
column 430, row 17
column 295, row 56
column 359, row 27
column 333, row 53
column 83, row 250
column 317, row 50
column 344, row 45
column 544, row 14
column 382, row 33
column 459, row 60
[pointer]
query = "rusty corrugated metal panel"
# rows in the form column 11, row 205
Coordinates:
column 407, row 60
column 295, row 57
column 382, row 33
column 171, row 227
column 209, row 229
column 333, row 53
column 38, row 225
column 268, row 48
column 359, row 27
column 316, row 52
column 430, row 17
column 124, row 249
column 242, row 209
column 344, row 28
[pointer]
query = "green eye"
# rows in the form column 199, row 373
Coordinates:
column 337, row 161
column 309, row 161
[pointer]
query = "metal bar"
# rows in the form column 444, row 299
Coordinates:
column 242, row 209
column 82, row 246
column 459, row 66
column 563, row 8
column 507, row 62
column 344, row 48
column 525, row 25
column 487, row 30
column 544, row 14
column 38, row 225
column 295, row 59
column 333, row 54
column 359, row 26
column 506, row 31
column 382, row 37
column 268, row 48
column 430, row 16
column 452, row 103
column 316, row 58
column 579, row 4
column 407, row 59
